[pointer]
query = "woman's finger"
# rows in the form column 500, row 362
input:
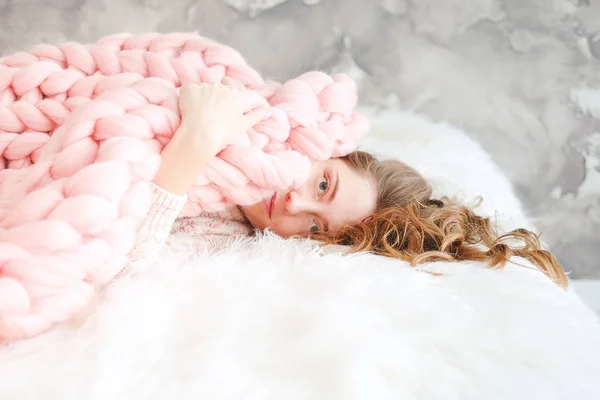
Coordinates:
column 227, row 81
column 232, row 83
column 254, row 117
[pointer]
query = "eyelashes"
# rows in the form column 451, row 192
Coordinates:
column 322, row 188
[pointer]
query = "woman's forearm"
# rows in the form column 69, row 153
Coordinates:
column 182, row 161
column 212, row 117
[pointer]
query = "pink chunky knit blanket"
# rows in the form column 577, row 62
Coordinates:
column 81, row 131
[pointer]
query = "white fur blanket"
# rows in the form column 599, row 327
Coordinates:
column 274, row 319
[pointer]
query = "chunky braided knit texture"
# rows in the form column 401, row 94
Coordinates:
column 81, row 131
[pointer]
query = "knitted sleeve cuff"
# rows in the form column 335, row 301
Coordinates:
column 154, row 230
column 165, row 208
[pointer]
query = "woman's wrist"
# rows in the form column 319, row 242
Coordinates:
column 182, row 160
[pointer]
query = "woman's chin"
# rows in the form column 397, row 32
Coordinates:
column 256, row 215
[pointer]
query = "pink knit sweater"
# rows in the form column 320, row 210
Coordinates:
column 161, row 227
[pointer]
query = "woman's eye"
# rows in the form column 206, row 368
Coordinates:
column 323, row 184
column 314, row 228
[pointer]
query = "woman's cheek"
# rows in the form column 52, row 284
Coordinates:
column 278, row 230
column 283, row 229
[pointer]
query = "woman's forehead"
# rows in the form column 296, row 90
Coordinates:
column 329, row 163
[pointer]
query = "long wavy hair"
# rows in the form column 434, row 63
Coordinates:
column 409, row 225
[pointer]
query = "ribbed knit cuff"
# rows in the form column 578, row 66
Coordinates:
column 165, row 208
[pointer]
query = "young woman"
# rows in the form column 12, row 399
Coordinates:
column 380, row 206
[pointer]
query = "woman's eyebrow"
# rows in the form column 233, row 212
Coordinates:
column 335, row 187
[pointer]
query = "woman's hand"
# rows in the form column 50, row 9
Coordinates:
column 211, row 118
column 212, row 115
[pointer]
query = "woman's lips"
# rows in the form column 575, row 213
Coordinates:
column 269, row 204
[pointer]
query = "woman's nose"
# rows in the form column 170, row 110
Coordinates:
column 295, row 203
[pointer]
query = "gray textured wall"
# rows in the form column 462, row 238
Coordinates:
column 522, row 76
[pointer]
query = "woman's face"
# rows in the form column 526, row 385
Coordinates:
column 334, row 195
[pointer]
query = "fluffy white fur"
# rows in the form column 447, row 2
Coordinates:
column 274, row 319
